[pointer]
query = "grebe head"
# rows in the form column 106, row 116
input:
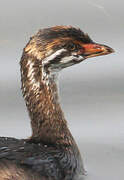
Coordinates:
column 62, row 46
column 46, row 53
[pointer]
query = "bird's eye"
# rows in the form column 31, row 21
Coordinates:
column 71, row 46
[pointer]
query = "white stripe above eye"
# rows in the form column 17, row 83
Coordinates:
column 54, row 55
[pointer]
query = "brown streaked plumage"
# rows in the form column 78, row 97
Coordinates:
column 51, row 152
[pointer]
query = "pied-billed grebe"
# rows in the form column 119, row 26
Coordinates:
column 51, row 152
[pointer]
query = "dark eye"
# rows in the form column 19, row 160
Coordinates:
column 71, row 46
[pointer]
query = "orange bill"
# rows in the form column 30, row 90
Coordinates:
column 93, row 49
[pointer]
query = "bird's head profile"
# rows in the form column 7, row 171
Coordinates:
column 62, row 46
column 47, row 52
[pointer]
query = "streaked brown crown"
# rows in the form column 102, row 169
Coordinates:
column 55, row 38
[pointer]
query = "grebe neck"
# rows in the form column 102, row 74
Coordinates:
column 40, row 92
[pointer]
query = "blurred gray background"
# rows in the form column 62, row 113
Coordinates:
column 92, row 93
